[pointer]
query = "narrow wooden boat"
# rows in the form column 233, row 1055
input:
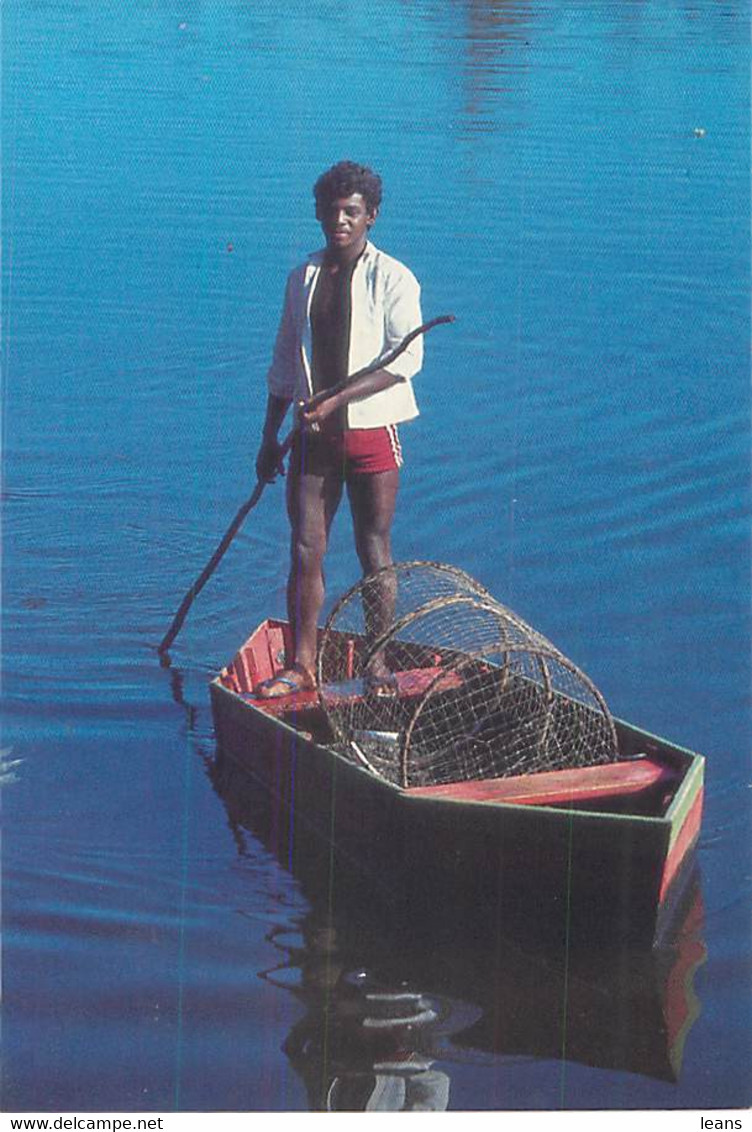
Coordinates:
column 589, row 853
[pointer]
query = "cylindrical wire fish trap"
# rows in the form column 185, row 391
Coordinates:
column 426, row 679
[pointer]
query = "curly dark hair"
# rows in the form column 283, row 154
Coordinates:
column 344, row 179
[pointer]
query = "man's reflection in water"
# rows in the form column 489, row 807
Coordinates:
column 365, row 1046
column 425, row 1091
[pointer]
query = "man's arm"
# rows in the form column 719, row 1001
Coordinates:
column 363, row 387
column 402, row 313
column 269, row 461
column 281, row 384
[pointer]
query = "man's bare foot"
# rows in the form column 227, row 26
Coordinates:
column 286, row 683
column 380, row 682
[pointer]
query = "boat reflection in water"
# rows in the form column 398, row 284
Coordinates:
column 389, row 1008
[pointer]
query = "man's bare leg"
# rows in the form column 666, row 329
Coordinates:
column 372, row 502
column 312, row 501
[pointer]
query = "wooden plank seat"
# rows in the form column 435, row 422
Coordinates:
column 552, row 787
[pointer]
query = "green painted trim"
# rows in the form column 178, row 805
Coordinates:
column 546, row 813
column 685, row 797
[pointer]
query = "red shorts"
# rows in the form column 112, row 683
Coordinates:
column 357, row 451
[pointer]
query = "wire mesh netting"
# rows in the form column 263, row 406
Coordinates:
column 426, row 679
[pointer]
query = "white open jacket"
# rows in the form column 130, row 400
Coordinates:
column 385, row 307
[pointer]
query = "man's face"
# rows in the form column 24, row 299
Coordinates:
column 346, row 222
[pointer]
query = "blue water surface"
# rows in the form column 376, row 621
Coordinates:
column 571, row 180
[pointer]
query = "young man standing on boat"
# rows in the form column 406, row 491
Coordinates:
column 346, row 307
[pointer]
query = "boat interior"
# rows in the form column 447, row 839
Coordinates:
column 642, row 781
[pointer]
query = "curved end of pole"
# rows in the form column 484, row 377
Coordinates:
column 440, row 320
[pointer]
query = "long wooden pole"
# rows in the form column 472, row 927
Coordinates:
column 177, row 621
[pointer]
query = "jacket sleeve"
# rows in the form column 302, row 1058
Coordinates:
column 281, row 376
column 401, row 315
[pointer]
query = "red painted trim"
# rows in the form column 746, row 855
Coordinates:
column 557, row 786
column 682, row 844
column 682, row 1006
column 241, row 671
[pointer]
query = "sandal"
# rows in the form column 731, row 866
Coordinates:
column 294, row 679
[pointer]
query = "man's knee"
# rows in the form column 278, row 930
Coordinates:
column 308, row 553
column 374, row 550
